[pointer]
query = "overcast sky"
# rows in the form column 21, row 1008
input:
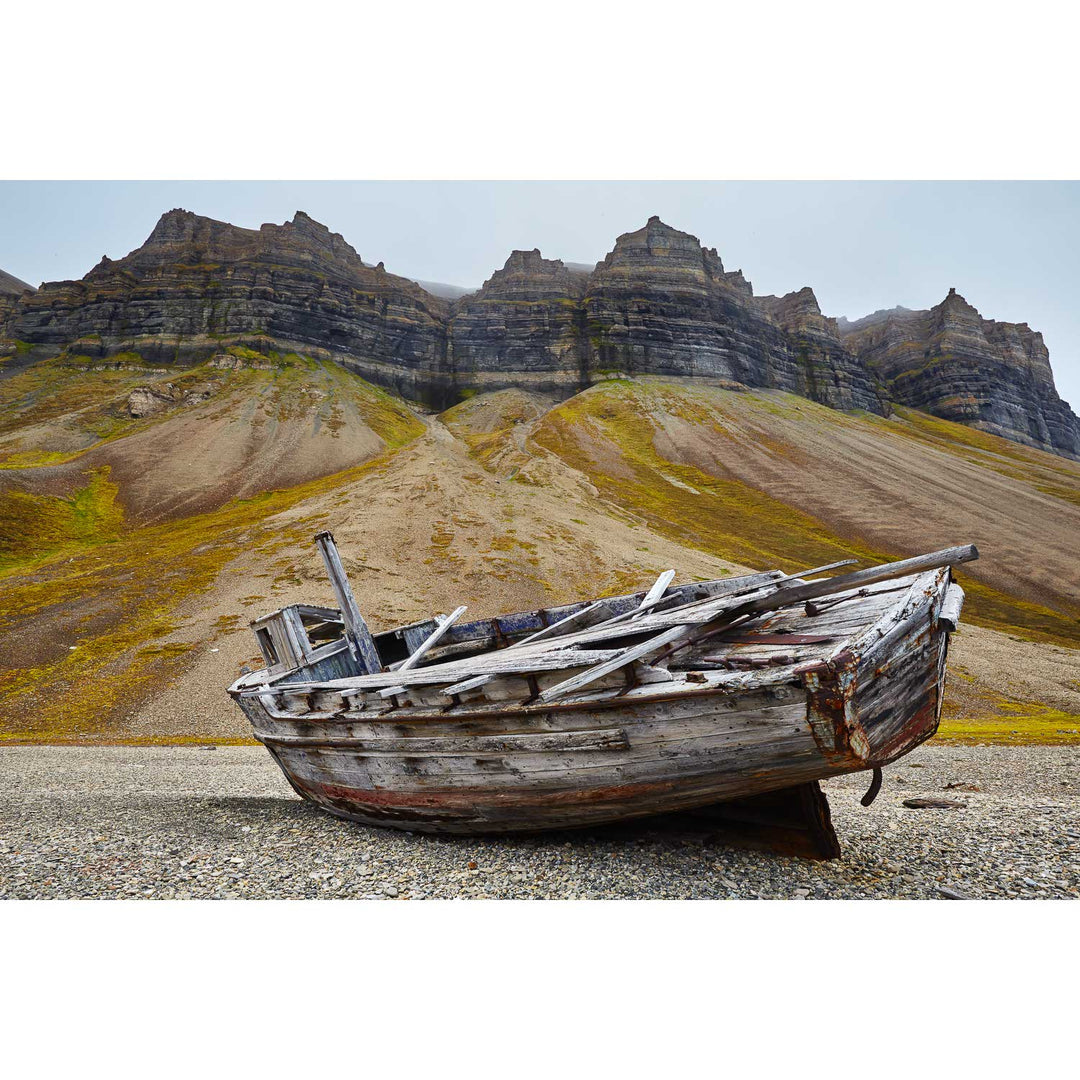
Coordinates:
column 1012, row 249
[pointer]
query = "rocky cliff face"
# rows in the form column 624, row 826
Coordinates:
column 661, row 303
column 658, row 303
column 525, row 326
column 294, row 287
column 11, row 290
column 952, row 362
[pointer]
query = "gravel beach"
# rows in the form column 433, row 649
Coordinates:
column 178, row 822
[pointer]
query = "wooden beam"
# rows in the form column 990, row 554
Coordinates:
column 787, row 595
column 566, row 623
column 621, row 659
column 361, row 643
column 431, row 640
column 654, row 594
column 501, row 661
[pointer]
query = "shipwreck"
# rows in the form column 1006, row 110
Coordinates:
column 730, row 699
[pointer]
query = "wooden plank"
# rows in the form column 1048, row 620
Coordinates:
column 576, row 618
column 655, row 593
column 431, row 640
column 784, row 596
column 526, row 622
column 469, row 684
column 361, row 643
column 605, row 667
column 762, row 585
column 686, row 634
column 503, row 660
column 951, row 606
column 465, row 745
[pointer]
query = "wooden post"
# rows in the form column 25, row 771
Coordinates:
column 361, row 643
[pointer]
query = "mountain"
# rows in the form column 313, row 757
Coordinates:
column 659, row 303
column 198, row 284
column 952, row 362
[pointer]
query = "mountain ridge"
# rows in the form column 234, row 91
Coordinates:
column 659, row 303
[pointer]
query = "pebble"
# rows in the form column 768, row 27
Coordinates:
column 86, row 822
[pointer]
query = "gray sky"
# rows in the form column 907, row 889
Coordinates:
column 1010, row 248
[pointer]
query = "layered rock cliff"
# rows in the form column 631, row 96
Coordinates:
column 658, row 303
column 952, row 362
column 11, row 290
column 292, row 287
column 524, row 327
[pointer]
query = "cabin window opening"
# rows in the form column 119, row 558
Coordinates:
column 322, row 631
column 266, row 643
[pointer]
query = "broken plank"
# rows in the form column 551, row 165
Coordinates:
column 571, row 621
column 500, row 662
column 621, row 659
column 655, row 593
column 431, row 639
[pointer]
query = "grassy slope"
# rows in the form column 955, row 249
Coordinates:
column 72, row 570
column 620, row 435
column 674, row 456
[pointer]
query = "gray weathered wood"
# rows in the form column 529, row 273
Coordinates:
column 361, row 643
column 431, row 640
column 507, row 760
column 951, row 607
column 655, row 593
column 504, row 660
column 605, row 667
column 797, row 594
column 577, row 618
column 686, row 634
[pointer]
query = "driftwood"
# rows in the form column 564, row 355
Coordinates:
column 934, row 804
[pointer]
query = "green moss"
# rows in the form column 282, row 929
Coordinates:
column 35, row 459
column 1038, row 724
column 134, row 587
column 37, row 527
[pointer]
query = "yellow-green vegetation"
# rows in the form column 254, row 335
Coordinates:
column 134, row 587
column 61, row 387
column 34, row 528
column 610, row 434
column 36, row 459
column 1019, row 723
column 89, row 396
column 59, row 554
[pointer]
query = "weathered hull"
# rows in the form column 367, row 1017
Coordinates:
column 573, row 768
column 487, row 767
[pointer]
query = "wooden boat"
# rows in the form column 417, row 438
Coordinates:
column 680, row 698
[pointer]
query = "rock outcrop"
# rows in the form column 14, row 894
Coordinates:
column 524, row 327
column 952, row 362
column 661, row 303
column 11, row 291
column 658, row 303
column 197, row 282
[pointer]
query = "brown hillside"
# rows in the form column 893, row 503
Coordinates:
column 507, row 502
